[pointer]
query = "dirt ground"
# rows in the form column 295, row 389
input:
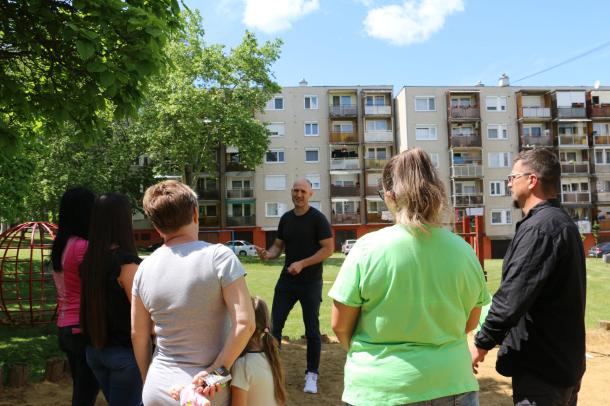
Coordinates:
column 495, row 389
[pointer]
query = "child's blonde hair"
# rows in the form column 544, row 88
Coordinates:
column 270, row 347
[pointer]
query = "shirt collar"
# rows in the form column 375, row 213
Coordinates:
column 542, row 205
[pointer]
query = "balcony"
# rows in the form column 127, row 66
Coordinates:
column 343, row 164
column 570, row 112
column 536, row 141
column 340, row 137
column 600, row 111
column 574, row 168
column 209, row 221
column 576, row 197
column 346, row 218
column 241, row 221
column 602, row 168
column 236, row 167
column 378, row 110
column 573, row 140
column 460, row 141
column 375, row 163
column 376, row 218
column 467, row 170
column 467, row 200
column 342, row 191
column 240, row 193
column 379, row 136
column 208, row 194
column 372, row 190
column 464, row 113
column 601, row 139
column 344, row 110
column 604, row 197
column 535, row 112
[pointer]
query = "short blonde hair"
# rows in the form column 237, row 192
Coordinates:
column 169, row 205
column 418, row 195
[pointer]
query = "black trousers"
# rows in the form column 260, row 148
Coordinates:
column 84, row 384
column 309, row 294
column 531, row 390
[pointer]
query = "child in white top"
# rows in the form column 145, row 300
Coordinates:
column 258, row 377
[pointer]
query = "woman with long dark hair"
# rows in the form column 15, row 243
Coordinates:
column 107, row 275
column 67, row 254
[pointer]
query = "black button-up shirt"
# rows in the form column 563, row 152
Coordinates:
column 537, row 314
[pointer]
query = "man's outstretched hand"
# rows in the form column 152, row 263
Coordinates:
column 263, row 254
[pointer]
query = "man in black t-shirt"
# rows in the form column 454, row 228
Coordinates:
column 306, row 236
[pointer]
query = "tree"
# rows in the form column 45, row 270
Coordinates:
column 70, row 60
column 209, row 97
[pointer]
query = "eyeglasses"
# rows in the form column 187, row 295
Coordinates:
column 514, row 176
column 381, row 194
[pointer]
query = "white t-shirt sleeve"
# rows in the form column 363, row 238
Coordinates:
column 228, row 266
column 241, row 378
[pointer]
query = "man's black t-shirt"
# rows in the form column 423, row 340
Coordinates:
column 301, row 236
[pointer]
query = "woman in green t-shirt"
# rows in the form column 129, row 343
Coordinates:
column 406, row 296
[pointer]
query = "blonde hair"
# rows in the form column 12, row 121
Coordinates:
column 418, row 195
column 169, row 205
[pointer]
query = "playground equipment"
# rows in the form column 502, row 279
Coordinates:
column 27, row 291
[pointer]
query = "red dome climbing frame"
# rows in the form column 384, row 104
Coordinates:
column 27, row 291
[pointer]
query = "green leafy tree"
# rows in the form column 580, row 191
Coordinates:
column 70, row 60
column 206, row 99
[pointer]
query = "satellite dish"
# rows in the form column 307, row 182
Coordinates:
column 596, row 84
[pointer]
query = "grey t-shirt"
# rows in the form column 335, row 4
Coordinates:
column 181, row 288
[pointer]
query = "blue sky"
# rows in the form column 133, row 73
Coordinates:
column 421, row 42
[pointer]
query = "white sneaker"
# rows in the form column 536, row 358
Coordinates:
column 311, row 383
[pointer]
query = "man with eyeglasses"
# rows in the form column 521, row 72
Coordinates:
column 537, row 314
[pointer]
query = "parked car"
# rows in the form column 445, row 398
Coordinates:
column 242, row 248
column 347, row 246
column 599, row 250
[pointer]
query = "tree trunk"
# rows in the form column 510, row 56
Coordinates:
column 18, row 374
column 54, row 370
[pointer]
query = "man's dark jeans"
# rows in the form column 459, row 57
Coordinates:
column 84, row 384
column 309, row 294
column 531, row 390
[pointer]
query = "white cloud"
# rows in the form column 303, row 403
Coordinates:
column 410, row 22
column 276, row 15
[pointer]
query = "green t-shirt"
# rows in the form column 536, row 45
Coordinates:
column 415, row 292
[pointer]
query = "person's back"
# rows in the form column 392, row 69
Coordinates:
column 181, row 287
column 252, row 373
column 416, row 292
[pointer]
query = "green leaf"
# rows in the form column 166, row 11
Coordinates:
column 154, row 31
column 96, row 66
column 85, row 49
column 107, row 79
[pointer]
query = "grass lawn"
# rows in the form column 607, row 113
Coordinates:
column 36, row 345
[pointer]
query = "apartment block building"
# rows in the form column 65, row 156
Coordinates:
column 474, row 132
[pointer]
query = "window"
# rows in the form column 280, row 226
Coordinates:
column 462, row 131
column 501, row 217
column 434, row 159
column 142, row 160
column 315, row 204
column 601, row 128
column 497, row 132
column 375, row 100
column 602, row 156
column 314, row 178
column 312, row 129
column 345, row 127
column 344, row 207
column 208, row 210
column 498, row 188
column 275, row 182
column 277, row 103
column 342, row 100
column 462, row 101
column 425, row 103
column 380, row 153
column 498, row 159
column 276, row 129
column 274, row 209
column 240, row 184
column 312, row 155
column 240, row 210
column 377, row 125
column 311, row 102
column 567, row 157
column 274, row 156
column 532, row 131
column 425, row 132
column 495, row 103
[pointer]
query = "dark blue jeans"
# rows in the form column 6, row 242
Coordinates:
column 287, row 293
column 530, row 389
column 117, row 372
column 84, row 384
